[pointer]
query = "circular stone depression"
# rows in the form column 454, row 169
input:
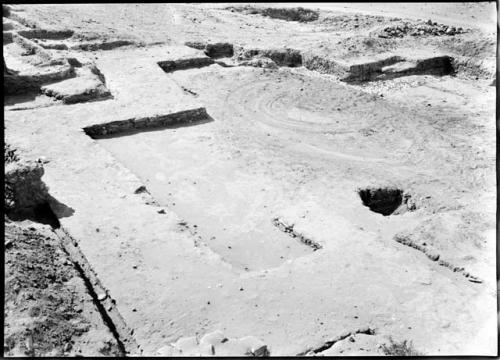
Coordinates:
column 384, row 201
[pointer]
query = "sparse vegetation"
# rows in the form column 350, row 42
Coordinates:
column 9, row 157
column 404, row 348
column 10, row 154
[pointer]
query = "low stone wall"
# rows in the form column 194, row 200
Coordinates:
column 362, row 72
column 323, row 65
column 181, row 64
column 22, row 84
column 87, row 85
column 7, row 26
column 198, row 45
column 31, row 47
column 213, row 50
column 123, row 126
column 383, row 69
column 282, row 57
column 46, row 34
column 108, row 45
column 51, row 46
column 218, row 50
column 439, row 65
column 7, row 37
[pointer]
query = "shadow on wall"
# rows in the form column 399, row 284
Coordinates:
column 9, row 100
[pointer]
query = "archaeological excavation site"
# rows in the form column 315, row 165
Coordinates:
column 264, row 179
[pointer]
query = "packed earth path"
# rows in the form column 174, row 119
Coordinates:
column 259, row 179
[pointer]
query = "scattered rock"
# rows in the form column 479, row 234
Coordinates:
column 215, row 343
column 141, row 189
column 262, row 62
column 213, row 338
column 419, row 29
column 290, row 14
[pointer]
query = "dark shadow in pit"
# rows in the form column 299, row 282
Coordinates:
column 382, row 200
column 435, row 66
column 9, row 100
column 207, row 119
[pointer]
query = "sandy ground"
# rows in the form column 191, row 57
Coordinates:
column 200, row 252
column 480, row 15
column 48, row 309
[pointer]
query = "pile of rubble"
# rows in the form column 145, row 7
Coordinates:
column 427, row 28
column 290, row 14
column 268, row 58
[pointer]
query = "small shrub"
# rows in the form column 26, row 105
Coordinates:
column 10, row 154
column 404, row 348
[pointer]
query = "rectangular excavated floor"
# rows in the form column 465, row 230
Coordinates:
column 226, row 206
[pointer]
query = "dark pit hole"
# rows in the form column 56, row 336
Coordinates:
column 382, row 200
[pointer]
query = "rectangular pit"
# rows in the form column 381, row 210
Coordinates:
column 220, row 203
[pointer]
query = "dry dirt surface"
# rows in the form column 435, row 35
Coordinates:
column 48, row 311
column 250, row 179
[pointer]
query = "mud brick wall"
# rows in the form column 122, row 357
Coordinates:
column 440, row 65
column 93, row 46
column 282, row 57
column 7, row 37
column 115, row 127
column 322, row 64
column 172, row 65
column 21, row 84
column 31, row 46
column 219, row 50
column 46, row 34
column 366, row 71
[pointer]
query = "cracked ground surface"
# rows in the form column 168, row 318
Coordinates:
column 198, row 252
